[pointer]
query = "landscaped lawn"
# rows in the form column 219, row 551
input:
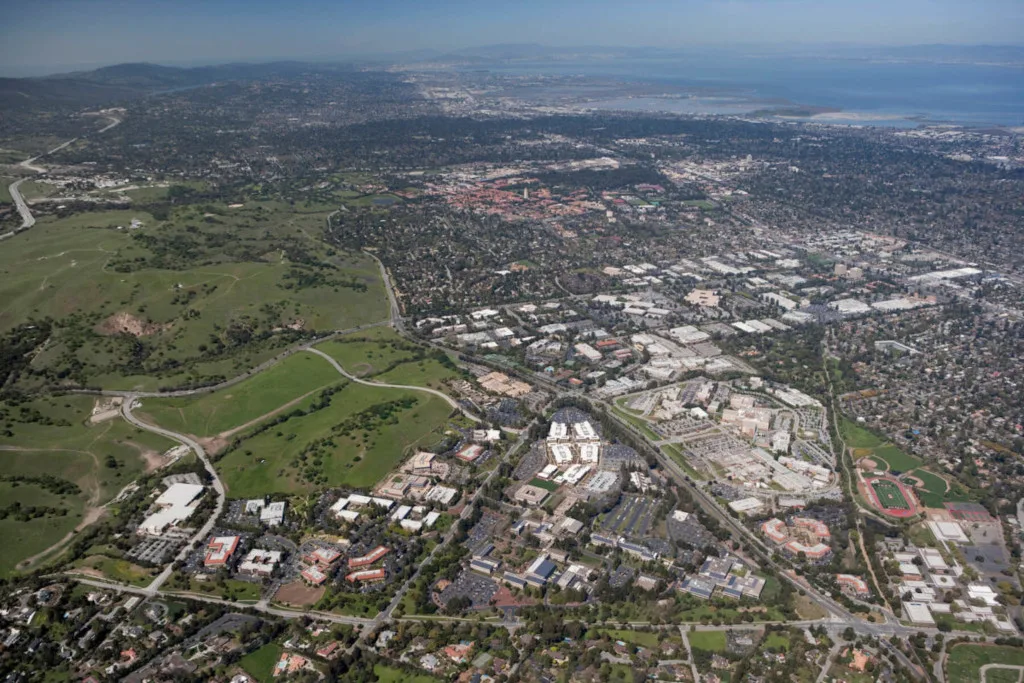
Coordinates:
column 260, row 663
column 711, row 641
column 390, row 674
column 211, row 414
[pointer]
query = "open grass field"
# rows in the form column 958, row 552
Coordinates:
column 220, row 411
column 370, row 352
column 52, row 437
column 898, row 460
column 641, row 638
column 383, row 355
column 390, row 674
column 966, row 660
column 229, row 589
column 118, row 570
column 856, row 436
column 427, row 372
column 138, row 310
column 776, row 641
column 319, row 449
column 260, row 663
column 710, row 641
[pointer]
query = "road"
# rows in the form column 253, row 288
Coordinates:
column 298, row 348
column 448, row 399
column 1011, row 667
column 275, row 611
column 396, row 310
column 127, row 405
column 27, row 219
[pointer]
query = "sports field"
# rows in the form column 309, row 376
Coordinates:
column 891, row 497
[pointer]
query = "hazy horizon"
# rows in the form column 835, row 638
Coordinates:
column 62, row 35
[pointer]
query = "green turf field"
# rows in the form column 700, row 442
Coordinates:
column 202, row 292
column 220, row 411
column 320, row 449
column 965, row 661
column 889, row 495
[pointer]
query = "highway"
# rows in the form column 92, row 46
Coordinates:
column 27, row 219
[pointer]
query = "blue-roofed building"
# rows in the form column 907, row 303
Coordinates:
column 716, row 569
column 514, row 580
column 744, row 586
column 545, row 569
column 698, row 587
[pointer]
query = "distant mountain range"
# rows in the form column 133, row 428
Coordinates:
column 126, row 81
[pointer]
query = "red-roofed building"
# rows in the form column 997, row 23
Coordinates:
column 366, row 576
column 220, row 549
column 459, row 653
column 323, row 557
column 314, row 575
column 369, row 558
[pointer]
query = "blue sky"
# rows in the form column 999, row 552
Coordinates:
column 48, row 35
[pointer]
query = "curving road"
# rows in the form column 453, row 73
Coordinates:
column 451, row 401
column 127, row 405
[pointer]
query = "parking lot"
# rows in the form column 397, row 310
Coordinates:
column 477, row 588
column 632, row 517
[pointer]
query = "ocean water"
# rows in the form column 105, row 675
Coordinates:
column 886, row 92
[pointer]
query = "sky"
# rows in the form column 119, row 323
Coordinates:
column 47, row 36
